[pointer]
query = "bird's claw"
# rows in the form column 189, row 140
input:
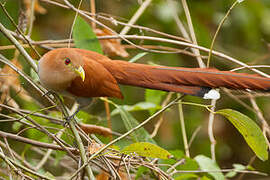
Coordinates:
column 68, row 119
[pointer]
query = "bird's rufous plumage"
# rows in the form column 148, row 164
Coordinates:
column 103, row 76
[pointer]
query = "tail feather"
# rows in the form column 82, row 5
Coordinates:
column 193, row 81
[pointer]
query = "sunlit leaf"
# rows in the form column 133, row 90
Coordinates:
column 137, row 107
column 205, row 178
column 239, row 1
column 207, row 164
column 147, row 150
column 153, row 96
column 137, row 57
column 16, row 126
column 188, row 176
column 233, row 172
column 49, row 175
column 84, row 37
column 34, row 75
column 249, row 130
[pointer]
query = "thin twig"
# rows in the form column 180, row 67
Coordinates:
column 18, row 29
column 183, row 128
column 93, row 11
column 218, row 29
column 44, row 130
column 31, row 18
column 158, row 124
column 19, row 47
column 210, row 130
column 192, row 33
column 136, row 16
column 127, row 133
column 35, row 143
column 12, row 164
column 222, row 170
column 48, row 153
column 81, row 148
column 73, row 23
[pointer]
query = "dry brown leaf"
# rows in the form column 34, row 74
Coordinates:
column 94, row 129
column 9, row 79
column 94, row 147
column 102, row 176
column 105, row 176
column 111, row 47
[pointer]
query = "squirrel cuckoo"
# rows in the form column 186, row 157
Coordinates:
column 83, row 74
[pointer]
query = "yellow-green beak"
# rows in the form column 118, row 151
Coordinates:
column 80, row 72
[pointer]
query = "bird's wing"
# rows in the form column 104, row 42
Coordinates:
column 98, row 82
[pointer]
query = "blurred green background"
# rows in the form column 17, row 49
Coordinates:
column 245, row 36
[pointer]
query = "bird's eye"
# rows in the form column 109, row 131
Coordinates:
column 67, row 61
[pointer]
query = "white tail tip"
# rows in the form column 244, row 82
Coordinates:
column 212, row 94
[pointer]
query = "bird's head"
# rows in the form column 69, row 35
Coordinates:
column 59, row 67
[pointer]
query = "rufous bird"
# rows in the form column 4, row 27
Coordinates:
column 83, row 74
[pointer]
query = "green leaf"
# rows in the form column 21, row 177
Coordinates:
column 16, row 126
column 154, row 96
column 147, row 150
column 205, row 178
column 239, row 1
column 130, row 122
column 49, row 175
column 188, row 163
column 137, row 107
column 58, row 157
column 249, row 130
column 34, row 75
column 141, row 170
column 137, row 57
column 84, row 37
column 207, row 164
column 232, row 173
column 188, row 176
column 239, row 166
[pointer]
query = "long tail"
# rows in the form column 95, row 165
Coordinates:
column 193, row 81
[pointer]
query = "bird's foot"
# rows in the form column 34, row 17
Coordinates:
column 71, row 117
column 68, row 119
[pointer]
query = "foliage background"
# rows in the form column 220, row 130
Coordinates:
column 245, row 36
